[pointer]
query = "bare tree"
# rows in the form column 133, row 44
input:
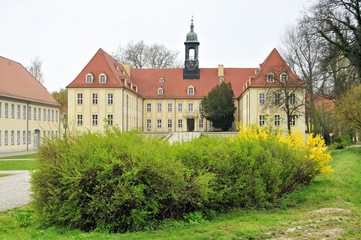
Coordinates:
column 303, row 51
column 285, row 94
column 140, row 55
column 35, row 69
column 339, row 23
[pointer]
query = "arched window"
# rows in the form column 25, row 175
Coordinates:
column 102, row 78
column 160, row 91
column 283, row 77
column 190, row 90
column 270, row 77
column 192, row 54
column 89, row 78
column 161, row 80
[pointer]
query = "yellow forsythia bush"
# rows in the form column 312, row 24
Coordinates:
column 314, row 147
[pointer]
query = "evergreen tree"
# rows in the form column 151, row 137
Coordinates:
column 218, row 106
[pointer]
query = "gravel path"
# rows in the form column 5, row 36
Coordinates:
column 14, row 189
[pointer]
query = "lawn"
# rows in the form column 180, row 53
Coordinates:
column 6, row 165
column 330, row 208
column 26, row 156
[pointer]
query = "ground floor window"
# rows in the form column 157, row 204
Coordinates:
column 180, row 123
column 261, row 120
column 110, row 120
column 200, row 123
column 159, row 123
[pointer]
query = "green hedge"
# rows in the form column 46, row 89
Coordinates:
column 125, row 182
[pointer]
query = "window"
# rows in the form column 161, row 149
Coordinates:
column 39, row 114
column 180, row 107
column 159, row 123
column 110, row 119
column 161, row 80
column 190, row 90
column 12, row 137
column 35, row 113
column 24, row 112
column 0, row 109
column 270, row 77
column 56, row 116
column 80, row 98
column 6, row 138
column 95, row 120
column 292, row 98
column 44, row 115
column 29, row 113
column 277, row 98
column 200, row 107
column 6, row 110
column 80, row 120
column 102, row 78
column 110, row 98
column 261, row 99
column 89, row 78
column 95, row 98
column 149, row 107
column 159, row 107
column 18, row 137
column 293, row 120
column 160, row 91
column 190, row 107
column 200, row 123
column 29, row 137
column 277, row 120
column 24, row 137
column 170, row 124
column 18, row 108
column 283, row 77
column 180, row 123
column 48, row 114
column 170, row 107
column 261, row 120
column 12, row 111
column 149, row 124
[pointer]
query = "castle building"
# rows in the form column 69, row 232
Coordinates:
column 27, row 111
column 169, row 100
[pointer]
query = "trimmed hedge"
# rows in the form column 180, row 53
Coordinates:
column 126, row 182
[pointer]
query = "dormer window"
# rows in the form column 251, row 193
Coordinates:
column 161, row 80
column 283, row 77
column 160, row 91
column 190, row 90
column 102, row 78
column 270, row 77
column 89, row 78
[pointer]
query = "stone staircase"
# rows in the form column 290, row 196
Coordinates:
column 183, row 136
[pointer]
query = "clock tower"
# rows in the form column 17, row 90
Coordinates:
column 191, row 64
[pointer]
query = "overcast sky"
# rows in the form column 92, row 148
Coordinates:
column 66, row 34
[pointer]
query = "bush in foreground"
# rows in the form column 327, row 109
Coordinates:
column 123, row 181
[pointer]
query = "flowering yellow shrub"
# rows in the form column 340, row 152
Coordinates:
column 314, row 147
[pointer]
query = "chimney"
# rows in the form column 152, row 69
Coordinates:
column 220, row 70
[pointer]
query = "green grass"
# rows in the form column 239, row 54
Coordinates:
column 6, row 165
column 26, row 156
column 329, row 208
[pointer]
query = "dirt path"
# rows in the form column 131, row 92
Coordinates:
column 14, row 189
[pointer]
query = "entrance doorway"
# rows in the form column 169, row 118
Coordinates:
column 37, row 138
column 190, row 124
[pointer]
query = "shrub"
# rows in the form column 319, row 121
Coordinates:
column 124, row 182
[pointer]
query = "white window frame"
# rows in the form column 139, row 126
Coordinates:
column 159, row 107
column 95, row 120
column 180, row 107
column 160, row 91
column 110, row 120
column 170, row 107
column 190, row 90
column 262, row 98
column 283, row 77
column 261, row 120
column 293, row 120
column 89, row 78
column 190, row 107
column 180, row 123
column 159, row 123
column 292, row 98
column 149, row 124
column 79, row 98
column 102, row 78
column 277, row 120
column 149, row 107
column 79, row 120
column 94, row 98
column 201, row 123
column 110, row 99
column 270, row 77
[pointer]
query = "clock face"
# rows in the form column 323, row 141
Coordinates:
column 191, row 66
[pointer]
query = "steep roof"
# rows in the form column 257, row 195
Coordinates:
column 176, row 87
column 17, row 83
column 274, row 63
column 102, row 62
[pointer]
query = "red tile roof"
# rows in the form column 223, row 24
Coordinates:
column 101, row 62
column 17, row 83
column 274, row 63
column 174, row 86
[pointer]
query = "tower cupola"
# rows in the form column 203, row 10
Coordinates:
column 191, row 63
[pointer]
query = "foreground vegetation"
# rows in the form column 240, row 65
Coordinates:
column 329, row 208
